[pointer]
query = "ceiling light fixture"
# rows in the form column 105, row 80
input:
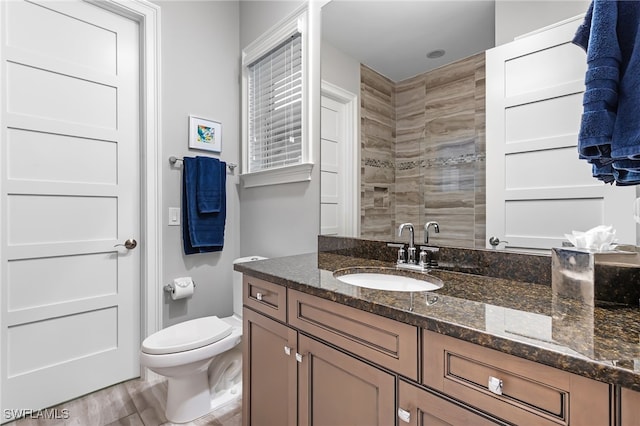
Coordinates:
column 438, row 53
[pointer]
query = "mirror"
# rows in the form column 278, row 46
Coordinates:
column 433, row 171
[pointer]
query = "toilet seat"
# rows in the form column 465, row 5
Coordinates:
column 186, row 336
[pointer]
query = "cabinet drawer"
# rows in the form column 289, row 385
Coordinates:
column 265, row 297
column 417, row 407
column 532, row 393
column 386, row 342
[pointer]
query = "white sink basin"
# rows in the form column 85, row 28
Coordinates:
column 388, row 279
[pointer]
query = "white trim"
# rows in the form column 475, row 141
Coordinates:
column 287, row 174
column 350, row 156
column 289, row 26
column 550, row 27
column 147, row 15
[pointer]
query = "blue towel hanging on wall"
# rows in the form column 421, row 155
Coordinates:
column 610, row 129
column 204, row 207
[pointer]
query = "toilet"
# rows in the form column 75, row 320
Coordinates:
column 201, row 359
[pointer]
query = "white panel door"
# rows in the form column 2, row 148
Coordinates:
column 70, row 297
column 331, row 143
column 537, row 187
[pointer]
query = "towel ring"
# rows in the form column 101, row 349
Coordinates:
column 173, row 160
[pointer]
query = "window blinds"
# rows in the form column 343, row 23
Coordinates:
column 275, row 107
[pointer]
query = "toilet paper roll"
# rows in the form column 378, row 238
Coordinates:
column 182, row 288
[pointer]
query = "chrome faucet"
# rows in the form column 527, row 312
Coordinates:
column 428, row 225
column 411, row 251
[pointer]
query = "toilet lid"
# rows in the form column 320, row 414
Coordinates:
column 186, row 335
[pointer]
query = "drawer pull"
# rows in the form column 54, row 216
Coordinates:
column 287, row 350
column 404, row 415
column 495, row 385
column 259, row 296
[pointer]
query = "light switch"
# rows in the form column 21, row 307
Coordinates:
column 174, row 216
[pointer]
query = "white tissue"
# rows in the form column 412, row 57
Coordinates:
column 600, row 238
column 182, row 288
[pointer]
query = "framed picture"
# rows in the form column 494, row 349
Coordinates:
column 205, row 134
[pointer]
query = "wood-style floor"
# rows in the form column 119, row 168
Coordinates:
column 132, row 403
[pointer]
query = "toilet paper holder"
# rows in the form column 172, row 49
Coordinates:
column 169, row 287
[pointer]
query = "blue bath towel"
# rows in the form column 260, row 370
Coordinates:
column 202, row 232
column 208, row 188
column 610, row 130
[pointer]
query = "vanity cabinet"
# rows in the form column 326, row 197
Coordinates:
column 312, row 361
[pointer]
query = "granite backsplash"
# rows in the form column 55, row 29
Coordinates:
column 615, row 284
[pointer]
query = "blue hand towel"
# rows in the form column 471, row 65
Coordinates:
column 201, row 232
column 209, row 188
column 626, row 134
column 609, row 136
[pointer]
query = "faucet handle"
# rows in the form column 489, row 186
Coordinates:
column 411, row 255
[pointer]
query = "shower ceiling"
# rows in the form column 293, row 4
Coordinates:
column 394, row 37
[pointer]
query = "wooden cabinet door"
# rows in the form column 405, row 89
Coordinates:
column 337, row 389
column 630, row 408
column 270, row 374
column 419, row 407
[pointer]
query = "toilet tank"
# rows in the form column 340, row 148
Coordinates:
column 237, row 283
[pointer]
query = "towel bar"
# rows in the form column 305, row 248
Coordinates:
column 173, row 160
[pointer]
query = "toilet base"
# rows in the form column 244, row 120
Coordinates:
column 227, row 396
column 188, row 397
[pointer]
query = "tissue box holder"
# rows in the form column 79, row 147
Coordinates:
column 589, row 276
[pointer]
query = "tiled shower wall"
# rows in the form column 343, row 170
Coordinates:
column 423, row 153
column 377, row 153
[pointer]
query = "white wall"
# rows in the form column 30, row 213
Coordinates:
column 514, row 18
column 256, row 17
column 200, row 76
column 278, row 220
column 340, row 69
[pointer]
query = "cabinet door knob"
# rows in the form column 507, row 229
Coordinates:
column 495, row 385
column 404, row 415
column 287, row 350
column 298, row 357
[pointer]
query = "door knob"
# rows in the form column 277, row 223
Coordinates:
column 129, row 244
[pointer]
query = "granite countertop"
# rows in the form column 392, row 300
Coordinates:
column 519, row 318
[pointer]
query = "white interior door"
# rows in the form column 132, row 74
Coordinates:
column 70, row 299
column 537, row 188
column 339, row 162
column 331, row 143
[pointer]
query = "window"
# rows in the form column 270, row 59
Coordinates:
column 275, row 107
column 275, row 147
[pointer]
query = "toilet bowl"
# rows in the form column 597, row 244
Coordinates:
column 201, row 359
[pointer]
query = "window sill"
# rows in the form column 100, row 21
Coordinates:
column 286, row 174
